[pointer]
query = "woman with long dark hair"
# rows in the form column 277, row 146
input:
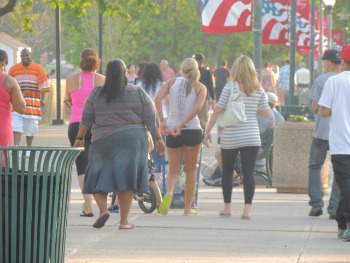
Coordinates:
column 120, row 115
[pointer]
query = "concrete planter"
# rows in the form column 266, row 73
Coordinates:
column 291, row 152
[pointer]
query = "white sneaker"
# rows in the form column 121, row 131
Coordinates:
column 27, row 154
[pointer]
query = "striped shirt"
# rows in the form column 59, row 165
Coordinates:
column 133, row 109
column 247, row 133
column 33, row 81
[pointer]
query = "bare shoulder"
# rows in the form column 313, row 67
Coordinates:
column 99, row 79
column 11, row 84
column 72, row 77
column 199, row 87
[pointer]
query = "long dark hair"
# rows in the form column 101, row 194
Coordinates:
column 116, row 80
column 150, row 75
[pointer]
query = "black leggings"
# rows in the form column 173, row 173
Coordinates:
column 248, row 158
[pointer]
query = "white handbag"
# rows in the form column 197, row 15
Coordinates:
column 235, row 110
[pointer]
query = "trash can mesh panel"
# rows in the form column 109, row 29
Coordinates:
column 34, row 203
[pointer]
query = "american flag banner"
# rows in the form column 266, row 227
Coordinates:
column 303, row 31
column 226, row 16
column 275, row 24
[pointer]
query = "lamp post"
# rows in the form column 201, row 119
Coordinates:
column 329, row 5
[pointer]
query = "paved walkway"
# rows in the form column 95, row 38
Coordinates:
column 280, row 230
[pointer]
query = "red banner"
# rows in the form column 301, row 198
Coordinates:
column 337, row 36
column 226, row 16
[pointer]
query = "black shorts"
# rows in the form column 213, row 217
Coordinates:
column 187, row 137
column 82, row 160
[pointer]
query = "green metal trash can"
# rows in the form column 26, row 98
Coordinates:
column 35, row 194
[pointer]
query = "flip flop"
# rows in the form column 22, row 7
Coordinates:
column 101, row 221
column 164, row 206
column 87, row 215
column 126, row 227
column 246, row 217
column 193, row 213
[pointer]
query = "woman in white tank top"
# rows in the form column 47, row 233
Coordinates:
column 184, row 134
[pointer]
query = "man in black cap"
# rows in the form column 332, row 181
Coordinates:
column 207, row 79
column 319, row 146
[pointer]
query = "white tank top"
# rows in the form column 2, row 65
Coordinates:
column 181, row 105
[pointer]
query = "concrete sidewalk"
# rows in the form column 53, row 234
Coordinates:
column 280, row 229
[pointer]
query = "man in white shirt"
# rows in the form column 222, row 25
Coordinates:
column 335, row 104
column 302, row 79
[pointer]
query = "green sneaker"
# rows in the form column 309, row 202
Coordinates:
column 164, row 206
column 346, row 235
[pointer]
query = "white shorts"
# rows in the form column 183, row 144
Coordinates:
column 24, row 125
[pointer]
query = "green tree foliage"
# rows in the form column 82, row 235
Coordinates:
column 135, row 30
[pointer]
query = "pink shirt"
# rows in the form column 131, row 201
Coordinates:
column 5, row 117
column 79, row 96
column 168, row 74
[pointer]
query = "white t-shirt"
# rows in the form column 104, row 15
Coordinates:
column 336, row 96
column 302, row 76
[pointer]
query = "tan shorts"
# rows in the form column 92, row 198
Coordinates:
column 24, row 125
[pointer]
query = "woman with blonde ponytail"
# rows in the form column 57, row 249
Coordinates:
column 182, row 129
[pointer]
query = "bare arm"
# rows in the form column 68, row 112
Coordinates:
column 160, row 147
column 70, row 82
column 150, row 141
column 215, row 115
column 161, row 94
column 79, row 140
column 314, row 106
column 17, row 101
column 264, row 112
column 325, row 112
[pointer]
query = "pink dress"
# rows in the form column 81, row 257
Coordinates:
column 5, row 115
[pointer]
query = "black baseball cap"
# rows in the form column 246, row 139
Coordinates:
column 332, row 55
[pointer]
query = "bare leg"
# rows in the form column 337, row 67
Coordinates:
column 191, row 160
column 87, row 206
column 116, row 201
column 101, row 201
column 29, row 140
column 156, row 189
column 17, row 137
column 125, row 200
column 174, row 160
